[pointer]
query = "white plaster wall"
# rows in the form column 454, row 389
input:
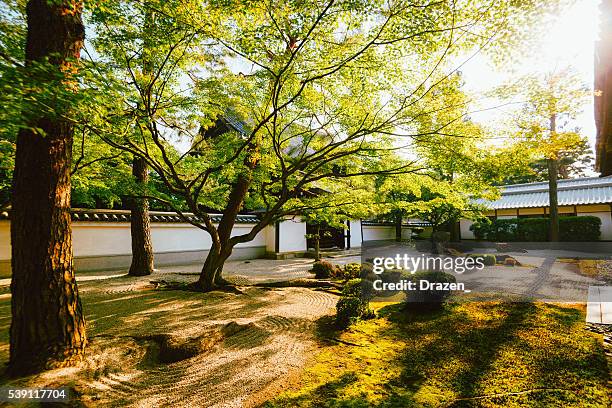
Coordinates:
column 356, row 238
column 100, row 239
column 378, row 232
column 505, row 217
column 95, row 238
column 269, row 234
column 606, row 223
column 465, row 229
column 292, row 235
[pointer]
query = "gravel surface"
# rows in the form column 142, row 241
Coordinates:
column 225, row 349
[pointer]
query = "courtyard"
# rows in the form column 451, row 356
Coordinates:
column 155, row 344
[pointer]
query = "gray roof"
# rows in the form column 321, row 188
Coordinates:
column 101, row 215
column 235, row 123
column 586, row 190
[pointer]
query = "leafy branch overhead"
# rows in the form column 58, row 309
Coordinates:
column 278, row 107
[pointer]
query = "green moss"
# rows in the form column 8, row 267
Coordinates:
column 489, row 349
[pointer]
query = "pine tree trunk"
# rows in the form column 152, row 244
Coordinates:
column 47, row 327
column 552, row 188
column 142, row 248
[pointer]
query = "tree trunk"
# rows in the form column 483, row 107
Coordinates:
column 454, row 228
column 553, row 165
column 552, row 198
column 210, row 276
column 398, row 228
column 317, row 244
column 142, row 248
column 47, row 327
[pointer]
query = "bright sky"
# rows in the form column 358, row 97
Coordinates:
column 569, row 42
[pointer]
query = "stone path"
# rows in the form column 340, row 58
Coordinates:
column 599, row 305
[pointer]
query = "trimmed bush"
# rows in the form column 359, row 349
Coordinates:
column 532, row 229
column 359, row 288
column 323, row 270
column 487, row 259
column 348, row 310
column 428, row 299
column 354, row 303
column 351, row 271
column 505, row 230
column 580, row 228
column 583, row 228
column 481, row 228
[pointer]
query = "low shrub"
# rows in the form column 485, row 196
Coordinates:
column 367, row 271
column 504, row 230
column 350, row 271
column 359, row 288
column 354, row 303
column 487, row 259
column 323, row 270
column 428, row 299
column 348, row 310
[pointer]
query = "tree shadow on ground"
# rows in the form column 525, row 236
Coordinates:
column 483, row 353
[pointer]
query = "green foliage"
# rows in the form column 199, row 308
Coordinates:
column 532, row 229
column 573, row 162
column 502, row 230
column 542, row 127
column 323, row 89
column 460, row 164
column 361, row 288
column 428, row 299
column 487, row 259
column 354, row 303
column 348, row 310
column 351, row 271
column 481, row 228
column 7, row 163
column 323, row 270
column 326, row 270
column 580, row 228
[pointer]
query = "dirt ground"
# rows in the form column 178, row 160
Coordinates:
column 151, row 347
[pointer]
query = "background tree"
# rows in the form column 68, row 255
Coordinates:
column 316, row 100
column 47, row 326
column 550, row 102
column 140, row 223
column 460, row 157
column 574, row 162
column 335, row 208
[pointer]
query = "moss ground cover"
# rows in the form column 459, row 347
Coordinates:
column 486, row 354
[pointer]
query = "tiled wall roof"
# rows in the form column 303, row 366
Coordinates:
column 581, row 191
column 80, row 214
